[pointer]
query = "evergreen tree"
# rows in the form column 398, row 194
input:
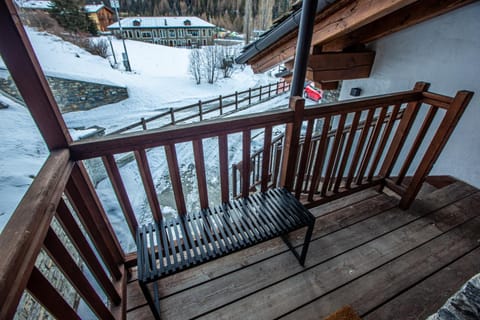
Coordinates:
column 71, row 15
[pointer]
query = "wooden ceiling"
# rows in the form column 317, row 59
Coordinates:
column 347, row 24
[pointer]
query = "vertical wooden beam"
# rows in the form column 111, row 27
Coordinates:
column 20, row 59
column 290, row 149
column 267, row 148
column 200, row 169
column 401, row 134
column 246, row 139
column 149, row 186
column 121, row 192
column 49, row 297
column 176, row 179
column 451, row 118
column 304, row 159
column 223, row 157
column 87, row 205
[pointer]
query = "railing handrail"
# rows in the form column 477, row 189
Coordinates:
column 90, row 148
column 22, row 237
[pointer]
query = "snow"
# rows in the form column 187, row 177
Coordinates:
column 33, row 4
column 92, row 8
column 159, row 81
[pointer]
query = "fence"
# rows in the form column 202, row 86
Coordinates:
column 204, row 109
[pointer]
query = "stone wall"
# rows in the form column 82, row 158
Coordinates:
column 73, row 95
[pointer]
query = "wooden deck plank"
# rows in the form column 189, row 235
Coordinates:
column 429, row 295
column 208, row 276
column 289, row 294
column 217, row 268
column 377, row 287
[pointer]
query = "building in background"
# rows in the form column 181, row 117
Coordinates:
column 101, row 15
column 168, row 31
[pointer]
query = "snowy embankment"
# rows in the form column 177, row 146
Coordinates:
column 159, row 80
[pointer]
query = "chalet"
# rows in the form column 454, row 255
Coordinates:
column 101, row 15
column 168, row 31
column 350, row 181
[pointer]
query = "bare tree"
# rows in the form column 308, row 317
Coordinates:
column 211, row 62
column 247, row 21
column 227, row 55
column 195, row 65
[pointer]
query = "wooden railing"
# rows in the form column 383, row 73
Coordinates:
column 361, row 143
column 202, row 110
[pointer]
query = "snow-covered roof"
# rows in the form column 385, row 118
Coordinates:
column 162, row 22
column 35, row 4
column 92, row 8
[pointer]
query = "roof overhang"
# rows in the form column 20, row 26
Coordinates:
column 343, row 24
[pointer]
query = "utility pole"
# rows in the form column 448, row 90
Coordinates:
column 116, row 4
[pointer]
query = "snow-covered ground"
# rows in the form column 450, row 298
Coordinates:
column 159, row 80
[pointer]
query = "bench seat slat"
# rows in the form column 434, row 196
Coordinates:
column 167, row 247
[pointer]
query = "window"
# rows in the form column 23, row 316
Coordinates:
column 146, row 34
column 130, row 34
column 164, row 34
column 192, row 32
column 204, row 32
column 137, row 34
column 209, row 32
column 204, row 42
column 180, row 33
column 155, row 33
column 172, row 33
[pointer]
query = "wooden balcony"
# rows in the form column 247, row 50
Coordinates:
column 384, row 262
column 337, row 159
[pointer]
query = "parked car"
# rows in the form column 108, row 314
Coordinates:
column 312, row 92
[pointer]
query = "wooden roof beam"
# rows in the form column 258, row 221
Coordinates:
column 349, row 17
column 406, row 17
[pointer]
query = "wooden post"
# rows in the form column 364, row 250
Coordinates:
column 276, row 87
column 220, row 104
column 249, row 96
column 236, row 100
column 200, row 112
column 269, row 91
column 450, row 120
column 144, row 123
column 172, row 116
column 260, row 94
column 290, row 149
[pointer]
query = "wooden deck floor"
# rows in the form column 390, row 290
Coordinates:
column 384, row 262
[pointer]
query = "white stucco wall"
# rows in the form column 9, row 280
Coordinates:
column 444, row 51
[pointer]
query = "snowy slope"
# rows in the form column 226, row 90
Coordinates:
column 159, row 80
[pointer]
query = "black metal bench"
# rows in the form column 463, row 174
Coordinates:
column 171, row 246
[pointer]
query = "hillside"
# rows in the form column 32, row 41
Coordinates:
column 229, row 14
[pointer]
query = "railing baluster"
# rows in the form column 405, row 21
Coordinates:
column 83, row 198
column 416, row 144
column 348, row 148
column 78, row 239
column 303, row 160
column 267, row 147
column 246, row 140
column 223, row 157
column 401, row 133
column 74, row 274
column 371, row 144
column 49, row 297
column 454, row 112
column 335, row 174
column 333, row 154
column 120, row 192
column 383, row 141
column 145, row 173
column 200, row 170
column 175, row 177
column 320, row 158
column 359, row 148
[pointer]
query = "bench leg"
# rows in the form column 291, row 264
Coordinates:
column 301, row 257
column 153, row 302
